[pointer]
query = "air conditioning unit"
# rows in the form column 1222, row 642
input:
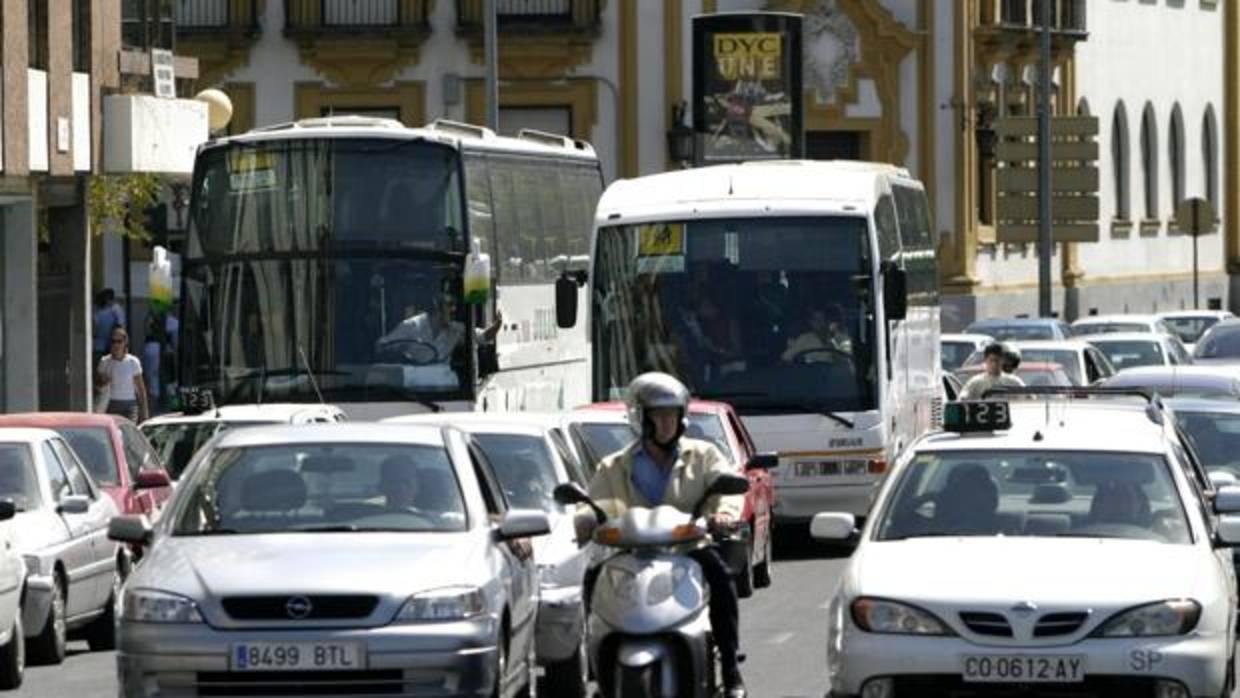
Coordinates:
column 142, row 133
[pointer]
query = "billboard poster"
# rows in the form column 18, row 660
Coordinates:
column 747, row 87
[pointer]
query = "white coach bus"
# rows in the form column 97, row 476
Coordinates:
column 340, row 259
column 804, row 293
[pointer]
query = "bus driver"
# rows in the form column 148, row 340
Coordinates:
column 431, row 338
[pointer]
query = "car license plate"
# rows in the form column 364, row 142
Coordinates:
column 1024, row 669
column 817, row 469
column 296, row 656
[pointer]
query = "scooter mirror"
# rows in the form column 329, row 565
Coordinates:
column 728, row 485
column 570, row 493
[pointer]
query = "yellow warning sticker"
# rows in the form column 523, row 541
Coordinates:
column 660, row 239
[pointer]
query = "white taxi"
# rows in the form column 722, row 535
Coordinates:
column 1058, row 545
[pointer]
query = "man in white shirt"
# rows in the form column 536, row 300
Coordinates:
column 993, row 377
column 120, row 374
column 415, row 336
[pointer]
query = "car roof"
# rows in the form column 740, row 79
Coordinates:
column 1124, row 337
column 266, row 412
column 1116, row 317
column 60, row 419
column 1221, row 314
column 1187, row 376
column 26, row 435
column 1024, row 366
column 1064, row 424
column 1072, row 344
column 349, row 433
column 1201, row 404
column 965, row 337
column 1005, row 322
column 695, row 406
column 526, row 423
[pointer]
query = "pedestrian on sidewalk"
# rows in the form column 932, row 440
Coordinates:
column 120, row 374
column 108, row 316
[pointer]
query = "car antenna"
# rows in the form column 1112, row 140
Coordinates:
column 310, row 374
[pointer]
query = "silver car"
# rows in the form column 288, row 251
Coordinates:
column 73, row 572
column 333, row 560
column 529, row 456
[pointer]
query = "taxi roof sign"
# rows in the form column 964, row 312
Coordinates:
column 975, row 416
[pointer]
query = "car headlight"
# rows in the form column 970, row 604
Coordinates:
column 150, row 606
column 33, row 564
column 891, row 617
column 1172, row 617
column 665, row 584
column 446, row 604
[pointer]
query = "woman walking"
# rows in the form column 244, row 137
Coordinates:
column 120, row 373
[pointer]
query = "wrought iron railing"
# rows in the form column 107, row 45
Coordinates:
column 1066, row 15
column 549, row 15
column 354, row 15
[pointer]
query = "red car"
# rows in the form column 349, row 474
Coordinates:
column 116, row 454
column 602, row 428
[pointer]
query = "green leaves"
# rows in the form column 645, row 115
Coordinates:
column 116, row 203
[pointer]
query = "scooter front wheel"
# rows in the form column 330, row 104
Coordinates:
column 637, row 682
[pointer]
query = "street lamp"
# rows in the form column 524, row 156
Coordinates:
column 680, row 137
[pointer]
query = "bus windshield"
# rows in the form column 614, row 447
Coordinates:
column 775, row 315
column 327, row 266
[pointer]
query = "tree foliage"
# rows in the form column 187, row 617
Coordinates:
column 117, row 203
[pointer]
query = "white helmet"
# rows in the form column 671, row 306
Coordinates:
column 654, row 390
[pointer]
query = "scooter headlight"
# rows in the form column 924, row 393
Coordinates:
column 664, row 585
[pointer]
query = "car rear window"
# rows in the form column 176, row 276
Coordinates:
column 17, row 478
column 93, row 446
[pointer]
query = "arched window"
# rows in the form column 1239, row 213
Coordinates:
column 1149, row 160
column 1119, row 161
column 1175, row 153
column 1209, row 155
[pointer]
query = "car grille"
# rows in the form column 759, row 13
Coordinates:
column 1053, row 624
column 989, row 624
column 937, row 686
column 301, row 683
column 321, row 607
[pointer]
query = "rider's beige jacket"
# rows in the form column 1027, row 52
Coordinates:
column 696, row 466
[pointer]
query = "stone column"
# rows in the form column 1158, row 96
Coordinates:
column 20, row 363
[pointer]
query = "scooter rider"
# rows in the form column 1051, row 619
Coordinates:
column 661, row 468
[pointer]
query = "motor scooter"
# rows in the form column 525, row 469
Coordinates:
column 648, row 626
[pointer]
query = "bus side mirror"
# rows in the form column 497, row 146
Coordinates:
column 895, row 291
column 565, row 301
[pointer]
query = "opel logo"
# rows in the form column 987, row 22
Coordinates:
column 1024, row 608
column 298, row 607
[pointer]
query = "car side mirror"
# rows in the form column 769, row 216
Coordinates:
column 763, row 461
column 8, row 509
column 151, row 479
column 832, row 526
column 565, row 301
column 74, row 504
column 569, row 493
column 1227, row 500
column 130, row 529
column 523, row 523
column 728, row 484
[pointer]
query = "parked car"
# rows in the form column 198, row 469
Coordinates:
column 1214, row 427
column 1031, row 372
column 955, row 349
column 1189, row 325
column 73, row 572
column 603, row 428
column 335, row 558
column 1182, row 381
column 118, row 457
column 177, row 436
column 1083, row 363
column 529, row 457
column 1220, row 344
column 1128, row 322
column 1004, row 329
column 1131, row 349
column 17, row 477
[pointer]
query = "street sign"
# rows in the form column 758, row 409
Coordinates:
column 1011, row 151
column 1073, row 186
column 1020, row 180
column 1060, row 126
column 1069, row 208
column 163, row 74
column 1195, row 216
column 1060, row 232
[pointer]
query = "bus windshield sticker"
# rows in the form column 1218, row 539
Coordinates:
column 661, row 248
column 251, row 171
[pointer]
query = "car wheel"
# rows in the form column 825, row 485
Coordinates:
column 570, row 677
column 744, row 580
column 13, row 656
column 762, row 571
column 48, row 647
column 101, row 633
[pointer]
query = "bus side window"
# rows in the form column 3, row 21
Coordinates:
column 504, row 220
column 478, row 196
column 888, row 233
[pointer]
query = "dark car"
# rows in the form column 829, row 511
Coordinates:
column 115, row 453
column 1021, row 328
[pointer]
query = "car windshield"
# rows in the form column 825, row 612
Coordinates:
column 1003, row 333
column 1068, row 360
column 17, row 478
column 604, row 439
column 524, row 467
column 177, row 442
column 1110, row 327
column 323, row 487
column 1190, row 329
column 1129, row 353
column 955, row 354
column 93, row 446
column 1080, row 494
column 1215, row 435
column 1219, row 343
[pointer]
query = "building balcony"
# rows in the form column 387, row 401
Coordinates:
column 532, row 16
column 356, row 17
column 213, row 17
column 1024, row 16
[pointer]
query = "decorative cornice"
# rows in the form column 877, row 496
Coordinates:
column 358, row 62
column 545, row 57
